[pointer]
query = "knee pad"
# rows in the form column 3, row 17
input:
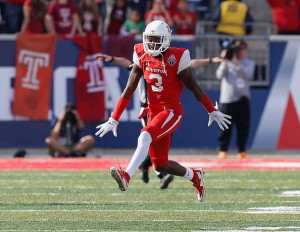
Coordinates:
column 144, row 138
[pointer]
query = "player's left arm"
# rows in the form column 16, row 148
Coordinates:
column 186, row 75
column 188, row 79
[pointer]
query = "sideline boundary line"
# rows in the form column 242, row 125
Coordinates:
column 106, row 163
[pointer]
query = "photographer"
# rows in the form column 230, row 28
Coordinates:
column 235, row 72
column 65, row 140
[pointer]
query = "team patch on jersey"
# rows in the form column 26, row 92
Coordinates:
column 171, row 60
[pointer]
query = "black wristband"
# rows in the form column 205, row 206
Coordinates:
column 112, row 59
column 209, row 60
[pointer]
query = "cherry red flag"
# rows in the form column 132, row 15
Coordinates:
column 89, row 82
column 34, row 66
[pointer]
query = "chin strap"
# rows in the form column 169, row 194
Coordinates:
column 163, row 64
column 130, row 66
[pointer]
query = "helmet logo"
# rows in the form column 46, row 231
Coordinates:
column 171, row 60
column 169, row 29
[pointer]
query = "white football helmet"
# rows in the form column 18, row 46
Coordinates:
column 162, row 31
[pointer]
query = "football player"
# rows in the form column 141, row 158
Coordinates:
column 166, row 70
column 165, row 179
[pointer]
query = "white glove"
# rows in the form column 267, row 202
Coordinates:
column 110, row 125
column 219, row 117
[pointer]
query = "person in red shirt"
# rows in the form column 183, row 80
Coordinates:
column 185, row 20
column 34, row 17
column 171, row 5
column 62, row 18
column 159, row 12
column 166, row 70
column 117, row 17
column 90, row 17
column 286, row 15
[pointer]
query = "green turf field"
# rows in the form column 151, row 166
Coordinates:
column 90, row 201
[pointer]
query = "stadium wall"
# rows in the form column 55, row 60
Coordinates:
column 274, row 117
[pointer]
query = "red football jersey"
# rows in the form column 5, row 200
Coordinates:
column 161, row 74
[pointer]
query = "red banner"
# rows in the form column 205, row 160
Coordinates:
column 34, row 66
column 89, row 82
column 120, row 46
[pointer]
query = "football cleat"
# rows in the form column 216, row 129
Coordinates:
column 198, row 183
column 145, row 175
column 165, row 181
column 121, row 177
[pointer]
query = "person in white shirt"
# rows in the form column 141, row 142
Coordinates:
column 235, row 73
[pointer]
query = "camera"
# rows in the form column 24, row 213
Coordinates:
column 229, row 49
column 69, row 115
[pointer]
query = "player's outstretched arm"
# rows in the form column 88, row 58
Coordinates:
column 187, row 77
column 113, row 121
column 110, row 125
column 220, row 118
column 197, row 63
column 120, row 61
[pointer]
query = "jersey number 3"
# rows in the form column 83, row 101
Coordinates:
column 157, row 87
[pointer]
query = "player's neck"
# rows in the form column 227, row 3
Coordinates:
column 162, row 54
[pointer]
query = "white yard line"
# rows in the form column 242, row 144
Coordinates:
column 274, row 210
column 295, row 193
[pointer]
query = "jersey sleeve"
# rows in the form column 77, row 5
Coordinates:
column 185, row 61
column 51, row 8
column 135, row 59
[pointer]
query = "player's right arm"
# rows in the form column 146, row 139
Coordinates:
column 112, row 123
column 120, row 61
column 198, row 63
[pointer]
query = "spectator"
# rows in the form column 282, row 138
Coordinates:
column 90, row 17
column 65, row 140
column 134, row 25
column 159, row 12
column 185, row 20
column 117, row 17
column 62, row 18
column 171, row 6
column 235, row 72
column 13, row 14
column 34, row 17
column 203, row 10
column 233, row 18
column 286, row 16
column 140, row 5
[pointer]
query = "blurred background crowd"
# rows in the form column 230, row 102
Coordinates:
column 124, row 17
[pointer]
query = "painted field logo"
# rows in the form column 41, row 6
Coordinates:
column 33, row 60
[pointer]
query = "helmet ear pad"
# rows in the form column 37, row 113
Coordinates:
column 156, row 37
